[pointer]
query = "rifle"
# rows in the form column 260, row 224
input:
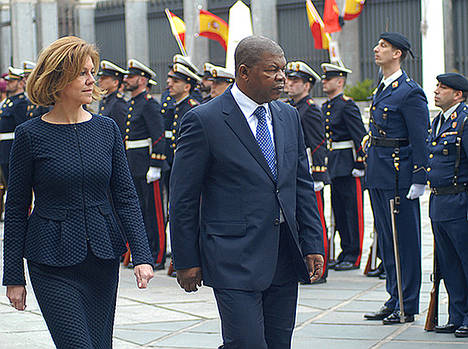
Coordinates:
column 393, row 212
column 432, row 318
column 331, row 240
column 371, row 264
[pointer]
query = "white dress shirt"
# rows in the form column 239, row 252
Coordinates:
column 391, row 78
column 444, row 116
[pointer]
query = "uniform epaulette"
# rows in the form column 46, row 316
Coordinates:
column 193, row 102
column 310, row 101
column 148, row 97
column 119, row 95
column 411, row 82
column 346, row 98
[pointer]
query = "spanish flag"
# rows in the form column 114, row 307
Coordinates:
column 214, row 28
column 321, row 38
column 353, row 9
column 178, row 29
column 331, row 16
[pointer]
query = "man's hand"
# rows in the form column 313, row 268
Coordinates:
column 17, row 296
column 153, row 174
column 189, row 279
column 318, row 185
column 143, row 274
column 415, row 191
column 315, row 265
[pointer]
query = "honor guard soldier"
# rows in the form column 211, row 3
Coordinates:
column 113, row 104
column 344, row 131
column 206, row 82
column 396, row 162
column 144, row 141
column 12, row 113
column 300, row 80
column 221, row 79
column 447, row 172
column 32, row 110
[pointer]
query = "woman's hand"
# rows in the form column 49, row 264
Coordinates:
column 17, row 296
column 143, row 274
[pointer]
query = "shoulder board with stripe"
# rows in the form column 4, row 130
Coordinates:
column 310, row 101
column 346, row 98
column 119, row 95
column 148, row 97
column 193, row 102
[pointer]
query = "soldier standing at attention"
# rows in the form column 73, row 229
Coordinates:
column 32, row 110
column 448, row 177
column 12, row 113
column 113, row 104
column 344, row 130
column 300, row 80
column 206, row 82
column 396, row 161
column 144, row 141
column 221, row 79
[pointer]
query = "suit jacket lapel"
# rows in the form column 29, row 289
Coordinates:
column 239, row 125
column 278, row 134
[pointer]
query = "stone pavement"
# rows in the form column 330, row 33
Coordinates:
column 329, row 315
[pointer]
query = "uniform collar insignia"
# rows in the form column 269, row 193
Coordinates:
column 454, row 115
column 454, row 124
column 395, row 84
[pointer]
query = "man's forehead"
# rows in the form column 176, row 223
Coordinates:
column 269, row 59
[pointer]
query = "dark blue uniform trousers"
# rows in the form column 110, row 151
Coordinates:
column 451, row 240
column 262, row 319
column 408, row 223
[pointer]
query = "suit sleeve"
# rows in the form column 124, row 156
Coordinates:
column 154, row 123
column 191, row 161
column 307, row 215
column 416, row 114
column 353, row 119
column 314, row 135
column 16, row 209
column 126, row 203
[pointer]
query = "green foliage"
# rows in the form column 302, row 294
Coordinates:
column 361, row 91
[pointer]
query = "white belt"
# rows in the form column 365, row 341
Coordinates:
column 342, row 145
column 140, row 143
column 168, row 134
column 8, row 136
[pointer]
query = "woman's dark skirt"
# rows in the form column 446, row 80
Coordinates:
column 78, row 302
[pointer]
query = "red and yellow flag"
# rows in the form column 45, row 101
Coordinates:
column 214, row 28
column 353, row 9
column 178, row 29
column 321, row 38
column 331, row 16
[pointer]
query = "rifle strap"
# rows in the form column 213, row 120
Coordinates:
column 458, row 146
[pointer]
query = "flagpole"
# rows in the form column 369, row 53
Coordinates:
column 176, row 36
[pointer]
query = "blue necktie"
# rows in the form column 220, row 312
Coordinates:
column 264, row 140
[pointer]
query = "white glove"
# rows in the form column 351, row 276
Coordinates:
column 358, row 173
column 415, row 191
column 318, row 185
column 153, row 174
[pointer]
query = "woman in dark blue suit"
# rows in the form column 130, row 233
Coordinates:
column 71, row 159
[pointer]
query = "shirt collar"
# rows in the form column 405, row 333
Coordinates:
column 392, row 78
column 246, row 104
column 450, row 111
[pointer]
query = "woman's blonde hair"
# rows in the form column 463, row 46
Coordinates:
column 59, row 64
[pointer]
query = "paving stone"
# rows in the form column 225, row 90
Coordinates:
column 344, row 331
column 140, row 313
column 421, row 345
column 308, row 343
column 192, row 340
column 140, row 337
column 170, row 326
column 418, row 334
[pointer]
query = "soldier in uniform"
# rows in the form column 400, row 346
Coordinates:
column 144, row 142
column 32, row 110
column 221, row 79
column 113, row 104
column 448, row 177
column 344, row 131
column 396, row 169
column 12, row 113
column 206, row 82
column 300, row 80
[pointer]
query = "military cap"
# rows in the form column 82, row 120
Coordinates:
column 220, row 73
column 28, row 66
column 332, row 70
column 207, row 67
column 301, row 70
column 397, row 40
column 184, row 60
column 454, row 80
column 111, row 69
column 152, row 82
column 137, row 68
column 14, row 74
column 180, row 71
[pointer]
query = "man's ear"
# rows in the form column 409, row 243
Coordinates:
column 243, row 72
column 397, row 53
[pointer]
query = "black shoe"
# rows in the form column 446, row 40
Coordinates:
column 379, row 315
column 461, row 332
column 394, row 318
column 376, row 272
column 383, row 276
column 332, row 264
column 158, row 266
column 345, row 265
column 447, row 328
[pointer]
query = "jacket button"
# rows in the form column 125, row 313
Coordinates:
column 276, row 222
column 277, row 191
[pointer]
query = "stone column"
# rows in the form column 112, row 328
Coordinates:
column 264, row 18
column 23, row 33
column 136, row 30
column 448, row 36
column 84, row 15
column 47, row 23
column 5, row 36
column 196, row 47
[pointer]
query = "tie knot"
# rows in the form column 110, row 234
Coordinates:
column 260, row 113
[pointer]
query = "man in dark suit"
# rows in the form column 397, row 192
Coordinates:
column 396, row 161
column 244, row 217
